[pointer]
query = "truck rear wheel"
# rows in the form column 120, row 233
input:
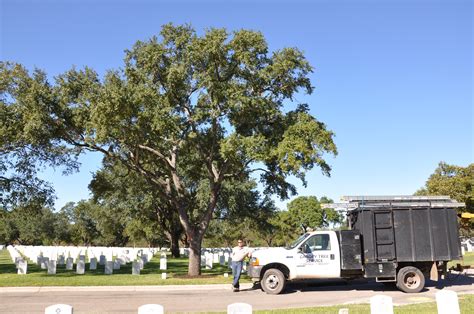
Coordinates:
column 273, row 281
column 410, row 279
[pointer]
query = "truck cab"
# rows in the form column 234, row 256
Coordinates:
column 313, row 255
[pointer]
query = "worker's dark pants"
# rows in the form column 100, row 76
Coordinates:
column 236, row 271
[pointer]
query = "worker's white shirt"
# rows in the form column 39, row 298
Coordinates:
column 239, row 253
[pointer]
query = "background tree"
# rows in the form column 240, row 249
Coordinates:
column 29, row 225
column 122, row 192
column 456, row 182
column 83, row 223
column 305, row 212
column 189, row 113
column 241, row 213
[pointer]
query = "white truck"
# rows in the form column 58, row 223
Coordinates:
column 396, row 240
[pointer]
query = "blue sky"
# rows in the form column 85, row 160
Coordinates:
column 393, row 79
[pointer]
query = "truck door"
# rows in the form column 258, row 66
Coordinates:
column 319, row 257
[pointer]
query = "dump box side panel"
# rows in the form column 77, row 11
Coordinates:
column 419, row 234
column 412, row 234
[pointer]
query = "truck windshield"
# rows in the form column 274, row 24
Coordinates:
column 297, row 242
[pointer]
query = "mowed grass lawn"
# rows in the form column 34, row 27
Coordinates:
column 468, row 259
column 150, row 275
column 466, row 303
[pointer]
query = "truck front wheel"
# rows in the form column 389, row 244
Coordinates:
column 410, row 279
column 273, row 281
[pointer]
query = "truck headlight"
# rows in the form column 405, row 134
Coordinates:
column 254, row 261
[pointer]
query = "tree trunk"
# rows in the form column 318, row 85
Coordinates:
column 174, row 241
column 194, row 267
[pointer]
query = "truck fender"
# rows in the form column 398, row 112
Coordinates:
column 281, row 267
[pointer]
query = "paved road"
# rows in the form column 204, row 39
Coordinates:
column 209, row 298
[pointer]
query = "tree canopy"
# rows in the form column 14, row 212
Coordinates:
column 456, row 182
column 187, row 112
column 28, row 143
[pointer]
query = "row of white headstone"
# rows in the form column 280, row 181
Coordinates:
column 209, row 258
column 49, row 257
column 446, row 300
column 234, row 308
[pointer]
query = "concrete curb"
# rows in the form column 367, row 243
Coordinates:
column 120, row 288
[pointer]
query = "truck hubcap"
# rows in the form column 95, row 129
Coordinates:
column 412, row 280
column 272, row 281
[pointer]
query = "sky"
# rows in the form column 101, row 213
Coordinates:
column 393, row 79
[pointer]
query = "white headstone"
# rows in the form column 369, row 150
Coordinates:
column 109, row 255
column 17, row 260
column 239, row 308
column 102, row 260
column 69, row 263
column 163, row 263
column 381, row 304
column 22, row 267
column 58, row 309
column 135, row 268
column 116, row 264
column 151, row 309
column 215, row 258
column 447, row 302
column 93, row 264
column 109, row 268
column 163, row 275
column 61, row 259
column 44, row 262
column 203, row 260
column 51, row 267
column 80, row 267
column 209, row 259
column 221, row 260
column 140, row 261
column 226, row 275
column 39, row 259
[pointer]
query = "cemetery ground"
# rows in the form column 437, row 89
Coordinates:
column 122, row 292
column 150, row 275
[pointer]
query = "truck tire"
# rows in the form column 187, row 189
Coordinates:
column 410, row 280
column 273, row 281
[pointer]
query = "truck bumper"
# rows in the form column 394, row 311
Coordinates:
column 254, row 271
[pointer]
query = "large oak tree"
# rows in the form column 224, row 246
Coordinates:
column 188, row 112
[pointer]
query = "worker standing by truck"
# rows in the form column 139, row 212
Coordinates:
column 239, row 253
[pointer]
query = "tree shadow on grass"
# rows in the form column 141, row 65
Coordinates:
column 8, row 269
